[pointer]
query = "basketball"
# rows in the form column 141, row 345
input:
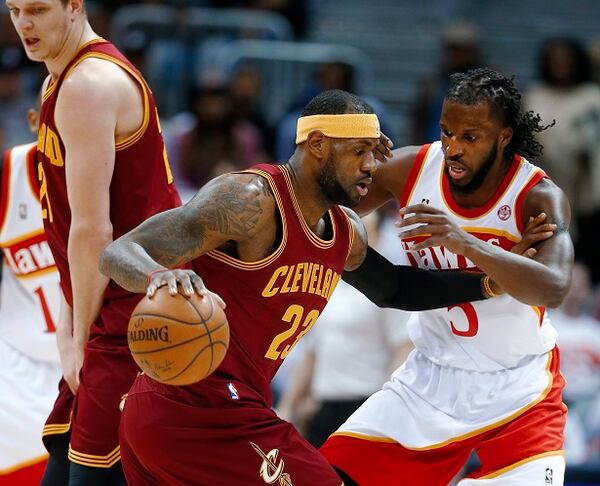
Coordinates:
column 180, row 339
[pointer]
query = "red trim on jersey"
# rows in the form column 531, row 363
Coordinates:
column 5, row 187
column 414, row 174
column 32, row 164
column 489, row 204
column 537, row 177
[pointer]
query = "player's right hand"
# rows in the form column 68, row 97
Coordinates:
column 190, row 282
column 535, row 231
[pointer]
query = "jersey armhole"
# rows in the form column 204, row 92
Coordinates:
column 413, row 175
column 533, row 181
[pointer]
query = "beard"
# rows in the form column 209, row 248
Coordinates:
column 477, row 180
column 331, row 187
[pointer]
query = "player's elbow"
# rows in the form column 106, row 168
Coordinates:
column 108, row 260
column 555, row 292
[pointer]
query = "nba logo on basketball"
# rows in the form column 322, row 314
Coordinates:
column 504, row 212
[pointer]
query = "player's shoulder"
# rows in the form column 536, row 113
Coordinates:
column 241, row 194
column 546, row 196
column 360, row 231
column 544, row 189
column 95, row 77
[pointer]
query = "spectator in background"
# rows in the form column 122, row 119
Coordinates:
column 14, row 99
column 566, row 93
column 352, row 334
column 246, row 91
column 210, row 141
column 332, row 75
column 460, row 51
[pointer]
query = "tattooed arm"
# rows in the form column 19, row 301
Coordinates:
column 236, row 208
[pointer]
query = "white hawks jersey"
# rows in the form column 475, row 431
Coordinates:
column 485, row 335
column 29, row 291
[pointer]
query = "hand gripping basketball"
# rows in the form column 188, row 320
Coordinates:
column 178, row 339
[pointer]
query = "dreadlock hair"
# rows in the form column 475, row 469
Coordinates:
column 484, row 85
column 336, row 102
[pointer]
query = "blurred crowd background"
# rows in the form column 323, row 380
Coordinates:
column 230, row 78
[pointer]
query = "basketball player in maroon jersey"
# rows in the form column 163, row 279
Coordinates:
column 272, row 241
column 102, row 154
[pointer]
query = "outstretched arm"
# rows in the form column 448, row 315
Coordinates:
column 232, row 207
column 408, row 288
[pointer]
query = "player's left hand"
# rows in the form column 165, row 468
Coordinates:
column 383, row 151
column 535, row 231
column 436, row 224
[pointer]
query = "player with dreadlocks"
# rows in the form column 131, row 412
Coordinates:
column 484, row 376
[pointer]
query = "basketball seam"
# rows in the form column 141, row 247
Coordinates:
column 162, row 316
column 208, row 331
column 211, row 346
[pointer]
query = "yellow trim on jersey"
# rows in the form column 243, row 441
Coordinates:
column 492, row 231
column 38, row 273
column 358, row 435
column 506, row 189
column 54, row 429
column 520, row 463
column 351, row 233
column 418, row 178
column 135, row 136
column 257, row 265
column 315, row 240
column 27, row 236
column 23, row 465
column 468, row 435
column 52, row 84
column 91, row 460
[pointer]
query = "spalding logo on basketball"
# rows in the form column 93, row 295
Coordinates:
column 180, row 339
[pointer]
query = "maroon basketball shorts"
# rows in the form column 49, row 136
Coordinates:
column 164, row 441
column 93, row 416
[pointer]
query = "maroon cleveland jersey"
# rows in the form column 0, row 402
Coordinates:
column 142, row 184
column 271, row 303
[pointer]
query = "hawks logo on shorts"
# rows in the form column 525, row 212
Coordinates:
column 271, row 471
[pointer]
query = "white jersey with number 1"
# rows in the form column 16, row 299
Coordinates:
column 29, row 305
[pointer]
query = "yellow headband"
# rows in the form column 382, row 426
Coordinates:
column 339, row 126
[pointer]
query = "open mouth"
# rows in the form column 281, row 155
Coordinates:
column 456, row 171
column 363, row 186
column 31, row 41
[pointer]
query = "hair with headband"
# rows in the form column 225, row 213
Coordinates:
column 338, row 114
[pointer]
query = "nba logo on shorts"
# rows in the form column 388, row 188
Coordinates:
column 504, row 212
column 233, row 391
column 548, row 475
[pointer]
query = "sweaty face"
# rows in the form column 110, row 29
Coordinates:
column 469, row 136
column 42, row 25
column 346, row 172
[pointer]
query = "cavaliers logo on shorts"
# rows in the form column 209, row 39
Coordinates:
column 271, row 470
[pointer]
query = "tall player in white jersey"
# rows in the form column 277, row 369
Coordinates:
column 484, row 376
column 29, row 302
